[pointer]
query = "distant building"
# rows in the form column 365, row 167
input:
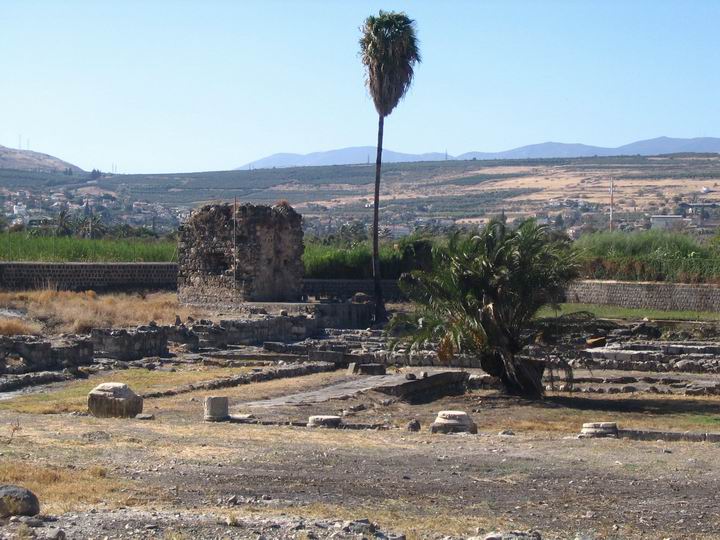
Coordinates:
column 668, row 222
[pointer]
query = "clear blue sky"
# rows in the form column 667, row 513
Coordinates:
column 161, row 86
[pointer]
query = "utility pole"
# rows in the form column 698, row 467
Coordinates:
column 235, row 244
column 612, row 201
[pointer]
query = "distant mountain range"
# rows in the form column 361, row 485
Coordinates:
column 366, row 154
column 27, row 160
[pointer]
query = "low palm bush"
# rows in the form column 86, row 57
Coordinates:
column 481, row 294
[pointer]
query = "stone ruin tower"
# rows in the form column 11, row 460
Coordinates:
column 255, row 256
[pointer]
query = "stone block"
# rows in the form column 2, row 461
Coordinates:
column 114, row 400
column 216, row 409
column 326, row 421
column 453, row 422
column 336, row 357
column 371, row 369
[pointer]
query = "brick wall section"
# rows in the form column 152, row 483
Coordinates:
column 646, row 295
column 163, row 276
column 83, row 276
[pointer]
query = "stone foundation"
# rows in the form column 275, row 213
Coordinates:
column 130, row 344
column 24, row 354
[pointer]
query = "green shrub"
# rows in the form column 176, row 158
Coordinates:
column 355, row 262
column 647, row 256
column 23, row 247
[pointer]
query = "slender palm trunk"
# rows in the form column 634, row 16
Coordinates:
column 379, row 304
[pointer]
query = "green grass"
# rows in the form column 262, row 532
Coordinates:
column 616, row 312
column 22, row 247
column 648, row 256
column 73, row 396
column 641, row 244
column 332, row 262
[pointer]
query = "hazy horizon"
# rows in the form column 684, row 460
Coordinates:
column 190, row 86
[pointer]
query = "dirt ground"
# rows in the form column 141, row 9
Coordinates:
column 179, row 477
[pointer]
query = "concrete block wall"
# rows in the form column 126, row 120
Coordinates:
column 646, row 295
column 84, row 276
column 163, row 276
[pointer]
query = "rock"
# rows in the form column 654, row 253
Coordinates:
column 688, row 365
column 361, row 526
column 30, row 521
column 506, row 433
column 453, row 422
column 362, row 298
column 114, row 400
column 483, row 381
column 55, row 534
column 96, row 436
column 410, row 376
column 413, row 425
column 324, row 420
column 18, row 501
column 646, row 330
column 596, row 342
column 216, row 409
column 144, row 416
column 514, row 535
column 283, row 313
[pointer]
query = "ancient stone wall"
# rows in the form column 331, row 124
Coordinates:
column 24, row 354
column 124, row 277
column 646, row 295
column 346, row 288
column 252, row 256
column 127, row 345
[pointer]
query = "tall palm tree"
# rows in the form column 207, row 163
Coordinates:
column 481, row 295
column 389, row 50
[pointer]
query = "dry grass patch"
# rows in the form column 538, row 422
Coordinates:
column 13, row 326
column 72, row 396
column 65, row 489
column 66, row 311
column 565, row 413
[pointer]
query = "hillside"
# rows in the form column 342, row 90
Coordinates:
column 458, row 190
column 547, row 150
column 27, row 160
